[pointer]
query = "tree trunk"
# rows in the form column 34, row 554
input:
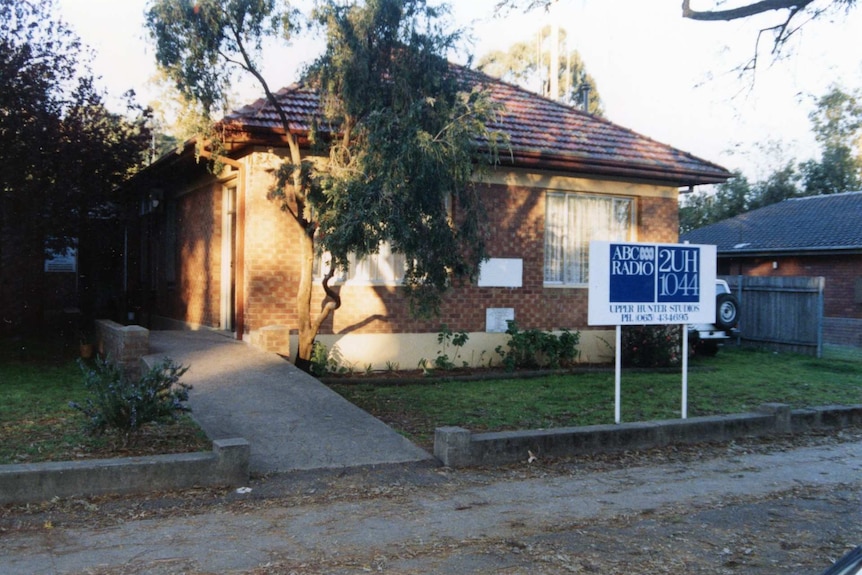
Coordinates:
column 307, row 332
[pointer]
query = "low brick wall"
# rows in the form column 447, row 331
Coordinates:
column 226, row 465
column 458, row 447
column 272, row 338
column 842, row 331
column 125, row 345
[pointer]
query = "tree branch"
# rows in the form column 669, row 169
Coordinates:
column 330, row 306
column 743, row 11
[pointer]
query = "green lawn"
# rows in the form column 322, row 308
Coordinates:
column 734, row 381
column 37, row 382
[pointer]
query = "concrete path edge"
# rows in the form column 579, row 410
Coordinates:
column 228, row 463
column 458, row 447
column 225, row 465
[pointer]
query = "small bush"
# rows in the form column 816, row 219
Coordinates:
column 319, row 359
column 446, row 337
column 533, row 348
column 118, row 403
column 651, row 346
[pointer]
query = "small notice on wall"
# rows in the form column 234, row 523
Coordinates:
column 62, row 261
column 497, row 318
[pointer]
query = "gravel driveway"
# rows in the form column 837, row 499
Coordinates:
column 787, row 505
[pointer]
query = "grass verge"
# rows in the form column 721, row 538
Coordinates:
column 734, row 381
column 37, row 382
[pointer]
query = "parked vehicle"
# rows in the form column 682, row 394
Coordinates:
column 850, row 564
column 706, row 338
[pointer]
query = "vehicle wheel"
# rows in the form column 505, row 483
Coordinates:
column 726, row 311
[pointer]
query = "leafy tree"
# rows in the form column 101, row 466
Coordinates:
column 402, row 171
column 837, row 124
column 706, row 207
column 407, row 133
column 737, row 196
column 528, row 64
column 838, row 170
column 780, row 185
column 64, row 153
column 37, row 56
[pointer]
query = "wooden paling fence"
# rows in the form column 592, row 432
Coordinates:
column 780, row 313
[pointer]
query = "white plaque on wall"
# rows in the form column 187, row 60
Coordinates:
column 496, row 318
column 501, row 272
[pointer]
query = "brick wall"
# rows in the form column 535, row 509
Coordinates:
column 195, row 295
column 517, row 232
column 271, row 262
column 658, row 220
column 123, row 345
column 271, row 253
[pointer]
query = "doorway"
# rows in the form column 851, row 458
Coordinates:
column 228, row 258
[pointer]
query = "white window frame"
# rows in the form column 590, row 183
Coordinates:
column 568, row 232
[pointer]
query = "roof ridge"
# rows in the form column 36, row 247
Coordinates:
column 819, row 196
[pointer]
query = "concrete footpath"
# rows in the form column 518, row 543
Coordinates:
column 447, row 522
column 291, row 420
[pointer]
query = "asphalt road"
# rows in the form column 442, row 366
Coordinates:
column 784, row 506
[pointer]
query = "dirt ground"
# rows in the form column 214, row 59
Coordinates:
column 797, row 530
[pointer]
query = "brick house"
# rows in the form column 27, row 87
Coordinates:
column 811, row 236
column 214, row 252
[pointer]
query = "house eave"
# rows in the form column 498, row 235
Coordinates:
column 536, row 160
column 620, row 168
column 810, row 251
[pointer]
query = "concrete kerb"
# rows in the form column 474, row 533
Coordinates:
column 458, row 447
column 225, row 465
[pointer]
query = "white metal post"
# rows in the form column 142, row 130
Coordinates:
column 619, row 362
column 684, row 371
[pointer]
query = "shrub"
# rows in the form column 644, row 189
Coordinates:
column 533, row 348
column 125, row 405
column 323, row 363
column 319, row 359
column 446, row 337
column 651, row 346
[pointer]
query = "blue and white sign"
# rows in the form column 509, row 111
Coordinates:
column 651, row 284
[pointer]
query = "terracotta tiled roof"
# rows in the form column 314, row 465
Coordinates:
column 542, row 133
column 816, row 223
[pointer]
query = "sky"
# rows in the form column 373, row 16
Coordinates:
column 666, row 77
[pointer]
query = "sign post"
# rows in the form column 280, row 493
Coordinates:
column 651, row 284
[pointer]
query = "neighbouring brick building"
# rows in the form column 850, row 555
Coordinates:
column 818, row 236
column 215, row 252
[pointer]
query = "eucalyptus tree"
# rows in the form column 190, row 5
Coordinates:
column 404, row 141
column 528, row 64
column 837, row 125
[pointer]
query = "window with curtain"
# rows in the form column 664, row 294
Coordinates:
column 571, row 221
column 384, row 267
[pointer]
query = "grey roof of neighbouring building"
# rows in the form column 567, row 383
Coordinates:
column 816, row 223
